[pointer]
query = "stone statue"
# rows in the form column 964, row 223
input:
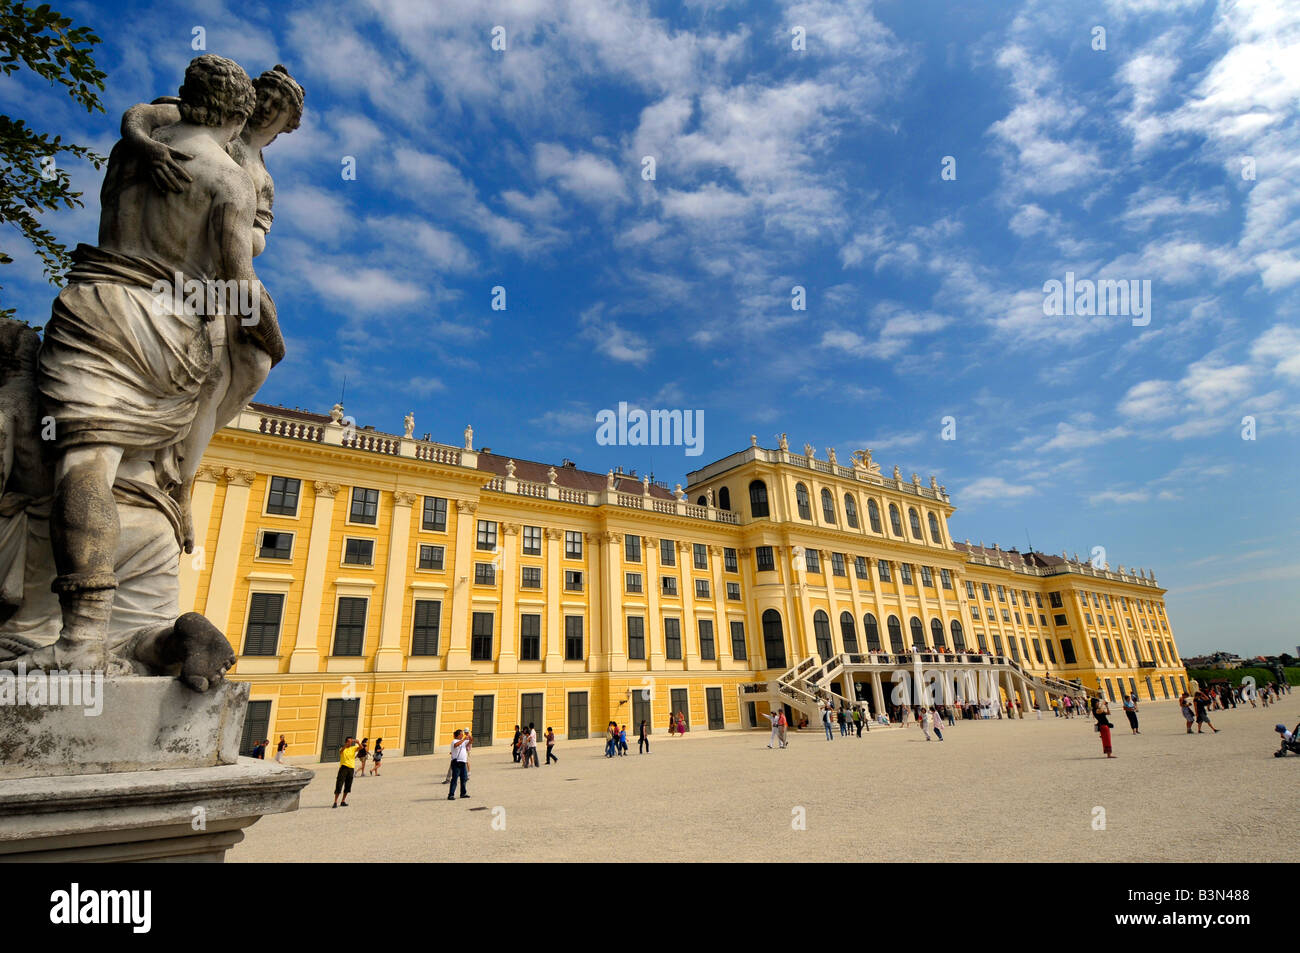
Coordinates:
column 830, row 455
column 645, row 485
column 510, row 468
column 862, row 461
column 609, row 480
column 709, row 497
column 679, row 493
column 408, row 425
column 808, row 451
column 898, row 474
column 783, row 443
column 336, row 414
column 934, row 483
column 138, row 383
column 753, row 440
column 916, row 478
column 469, row 437
column 551, row 476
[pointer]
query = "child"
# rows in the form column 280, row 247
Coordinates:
column 622, row 740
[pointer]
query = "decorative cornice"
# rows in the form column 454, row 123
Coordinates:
column 326, row 489
column 744, row 553
column 553, row 533
column 466, row 506
column 683, row 546
column 612, row 537
column 238, row 477
column 208, row 474
column 403, row 498
column 715, row 549
column 510, row 529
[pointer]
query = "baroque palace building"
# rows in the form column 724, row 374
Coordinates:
column 387, row 586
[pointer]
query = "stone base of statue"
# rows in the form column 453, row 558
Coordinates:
column 143, row 770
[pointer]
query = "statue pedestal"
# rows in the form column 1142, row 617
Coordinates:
column 148, row 770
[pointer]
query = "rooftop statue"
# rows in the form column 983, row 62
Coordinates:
column 136, row 381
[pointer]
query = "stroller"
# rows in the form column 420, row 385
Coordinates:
column 1291, row 743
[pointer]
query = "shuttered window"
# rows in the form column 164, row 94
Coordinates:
column 263, row 632
column 424, row 633
column 350, row 626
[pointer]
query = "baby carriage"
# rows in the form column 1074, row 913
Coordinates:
column 1290, row 741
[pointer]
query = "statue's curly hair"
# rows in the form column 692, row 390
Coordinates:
column 215, row 91
column 277, row 91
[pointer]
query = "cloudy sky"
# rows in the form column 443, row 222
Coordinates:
column 1171, row 155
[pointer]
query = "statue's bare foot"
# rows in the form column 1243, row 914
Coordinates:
column 202, row 651
column 64, row 656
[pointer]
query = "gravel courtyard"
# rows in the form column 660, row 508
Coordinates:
column 993, row 790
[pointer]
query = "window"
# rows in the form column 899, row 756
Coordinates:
column 1013, row 597
column 895, row 520
column 822, row 632
column 1119, row 647
column 895, row 635
column 848, row 633
column 828, row 506
column 1059, row 619
column 812, row 560
column 1055, row 598
column 365, row 506
column 350, row 626
column 572, row 580
column 729, row 563
column 673, row 638
column 850, row 511
column 701, row 588
column 905, row 573
column 573, row 638
column 882, row 568
column 1110, row 654
column 532, row 541
column 632, row 548
column 935, row 535
column 635, row 637
column 758, row 499
column 945, row 578
column 358, row 552
column 1051, row 651
column 275, row 545
column 837, row 565
column 970, row 589
column 989, row 611
column 724, row 499
column 773, row 639
column 708, row 652
column 801, row 500
column 927, row 578
column 262, row 634
column 530, row 637
column 984, row 588
column 1025, row 593
column 915, row 520
column 958, row 638
column 918, row 632
column 860, row 567
column 1042, row 619
column 487, row 535
column 873, row 515
column 1004, row 612
column 667, row 552
column 1006, row 616
column 701, row 553
column 480, row 643
column 669, row 585
column 433, row 519
column 282, row 499
column 936, row 634
column 738, row 642
column 430, row 557
column 1067, row 652
column 485, row 574
column 733, row 591
column 763, row 559
column 424, row 627
column 633, row 581
column 530, row 577
column 1087, row 617
column 871, row 629
column 572, row 544
column 997, row 645
column 1002, row 594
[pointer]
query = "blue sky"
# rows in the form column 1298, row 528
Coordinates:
column 775, row 168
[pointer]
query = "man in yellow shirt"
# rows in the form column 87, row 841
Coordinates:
column 347, row 766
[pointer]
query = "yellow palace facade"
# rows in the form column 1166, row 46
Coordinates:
column 398, row 588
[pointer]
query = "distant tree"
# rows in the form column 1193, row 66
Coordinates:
column 31, row 182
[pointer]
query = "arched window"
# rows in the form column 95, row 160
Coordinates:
column 872, row 630
column 936, row 634
column 918, row 632
column 822, row 630
column 758, row 500
column 702, row 501
column 915, row 520
column 828, row 506
column 896, row 636
column 773, row 639
column 724, row 499
column 935, row 535
column 850, row 511
column 873, row 514
column 895, row 519
column 802, row 501
column 849, row 633
column 958, row 639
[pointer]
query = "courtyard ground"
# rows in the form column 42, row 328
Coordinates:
column 993, row 790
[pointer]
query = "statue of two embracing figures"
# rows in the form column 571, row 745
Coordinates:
column 160, row 336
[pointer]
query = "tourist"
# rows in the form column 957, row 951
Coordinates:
column 378, row 756
column 947, row 710
column 611, row 740
column 1100, row 711
column 259, row 751
column 681, row 724
column 826, row 722
column 280, row 749
column 530, row 745
column 782, row 725
column 1067, row 706
column 643, row 740
column 1131, row 711
column 858, row 719
column 550, row 744
column 842, row 717
column 924, row 722
column 347, row 768
column 622, row 740
column 363, row 752
column 672, row 725
column 776, row 730
column 459, row 763
column 935, row 723
column 1202, row 702
column 1185, row 703
column 517, row 745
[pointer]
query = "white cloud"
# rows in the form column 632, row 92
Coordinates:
column 995, row 488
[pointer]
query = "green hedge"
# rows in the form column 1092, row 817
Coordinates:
column 1234, row 675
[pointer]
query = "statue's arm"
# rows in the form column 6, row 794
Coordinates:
column 138, row 126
